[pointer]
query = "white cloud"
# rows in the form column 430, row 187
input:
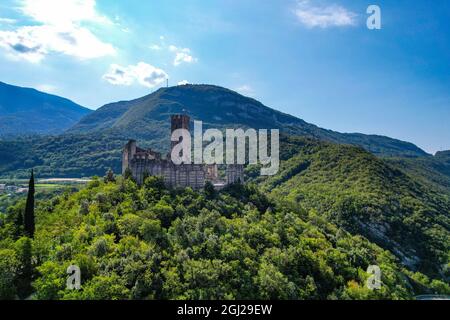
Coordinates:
column 155, row 47
column 142, row 73
column 46, row 88
column 183, row 83
column 62, row 12
column 59, row 31
column 323, row 16
column 33, row 43
column 118, row 22
column 7, row 21
column 119, row 75
column 246, row 90
column 182, row 55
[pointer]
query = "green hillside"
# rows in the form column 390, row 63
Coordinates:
column 28, row 111
column 153, row 243
column 63, row 156
column 310, row 232
column 220, row 108
column 364, row 195
column 94, row 144
column 431, row 170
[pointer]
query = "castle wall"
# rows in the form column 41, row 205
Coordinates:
column 180, row 176
column 178, row 122
column 235, row 173
column 142, row 162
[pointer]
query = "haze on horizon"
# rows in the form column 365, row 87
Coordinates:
column 313, row 59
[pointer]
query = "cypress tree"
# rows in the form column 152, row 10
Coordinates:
column 18, row 224
column 29, row 226
column 109, row 176
column 25, row 271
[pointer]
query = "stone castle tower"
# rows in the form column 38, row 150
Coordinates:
column 179, row 122
column 143, row 162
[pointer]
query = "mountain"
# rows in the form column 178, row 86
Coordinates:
column 431, row 170
column 94, row 144
column 367, row 196
column 335, row 189
column 308, row 233
column 218, row 107
column 444, row 155
column 28, row 111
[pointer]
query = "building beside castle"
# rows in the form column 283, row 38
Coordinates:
column 143, row 163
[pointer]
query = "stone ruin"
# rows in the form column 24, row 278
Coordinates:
column 146, row 162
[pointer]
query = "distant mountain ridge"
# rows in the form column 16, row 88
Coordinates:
column 222, row 108
column 29, row 111
column 432, row 170
column 443, row 155
column 94, row 144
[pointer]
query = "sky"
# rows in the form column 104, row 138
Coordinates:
column 314, row 59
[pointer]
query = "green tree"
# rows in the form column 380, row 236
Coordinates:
column 150, row 230
column 128, row 174
column 18, row 224
column 109, row 287
column 164, row 212
column 210, row 191
column 25, row 271
column 8, row 269
column 51, row 282
column 109, row 177
column 29, row 223
column 154, row 182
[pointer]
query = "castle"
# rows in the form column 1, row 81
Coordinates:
column 143, row 163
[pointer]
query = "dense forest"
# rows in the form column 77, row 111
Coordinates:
column 434, row 171
column 365, row 195
column 309, row 232
column 61, row 156
column 151, row 242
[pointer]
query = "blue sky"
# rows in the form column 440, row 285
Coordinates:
column 314, row 59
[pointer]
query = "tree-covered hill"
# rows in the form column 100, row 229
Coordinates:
column 149, row 242
column 431, row 170
column 28, row 111
column 61, row 156
column 220, row 108
column 367, row 196
column 95, row 143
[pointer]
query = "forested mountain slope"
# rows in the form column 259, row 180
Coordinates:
column 222, row 108
column 153, row 243
column 94, row 144
column 28, row 111
column 431, row 170
column 364, row 195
